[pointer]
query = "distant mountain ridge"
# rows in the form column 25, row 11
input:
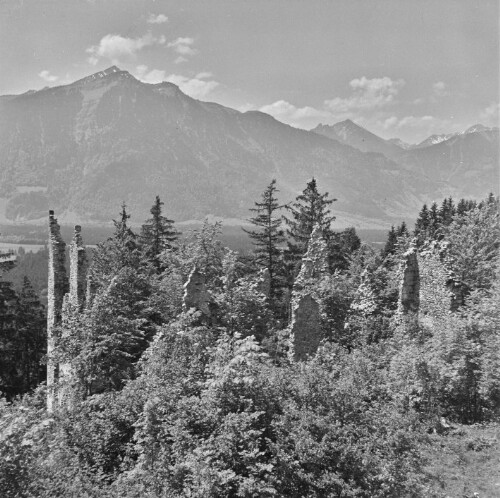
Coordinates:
column 85, row 147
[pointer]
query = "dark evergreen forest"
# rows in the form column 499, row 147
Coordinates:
column 166, row 399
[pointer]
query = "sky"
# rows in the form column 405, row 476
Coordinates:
column 400, row 68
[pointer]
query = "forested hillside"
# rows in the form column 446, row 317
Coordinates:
column 184, row 374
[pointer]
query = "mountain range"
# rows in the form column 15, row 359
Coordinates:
column 84, row 148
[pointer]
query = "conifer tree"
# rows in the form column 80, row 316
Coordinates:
column 309, row 209
column 447, row 211
column 157, row 234
column 119, row 251
column 390, row 245
column 422, row 224
column 268, row 239
column 465, row 205
column 402, row 230
column 434, row 221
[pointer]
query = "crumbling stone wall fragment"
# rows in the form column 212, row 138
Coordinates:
column 315, row 262
column 306, row 329
column 77, row 269
column 409, row 290
column 305, row 332
column 196, row 294
column 56, row 289
column 264, row 283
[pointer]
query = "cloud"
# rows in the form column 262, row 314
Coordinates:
column 180, row 59
column 297, row 116
column 490, row 116
column 115, row 47
column 45, row 75
column 367, row 94
column 150, row 76
column 159, row 19
column 198, row 87
column 183, row 46
column 417, row 127
column 440, row 89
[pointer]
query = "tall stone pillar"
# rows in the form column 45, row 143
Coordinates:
column 306, row 331
column 73, row 301
column 409, row 289
column 196, row 294
column 56, row 289
column 77, row 269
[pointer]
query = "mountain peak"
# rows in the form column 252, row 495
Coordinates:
column 475, row 128
column 112, row 70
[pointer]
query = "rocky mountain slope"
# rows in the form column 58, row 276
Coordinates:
column 349, row 133
column 84, row 148
column 462, row 164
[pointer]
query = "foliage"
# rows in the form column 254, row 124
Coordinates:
column 270, row 238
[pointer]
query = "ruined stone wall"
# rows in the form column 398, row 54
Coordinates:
column 196, row 294
column 315, row 262
column 305, row 332
column 56, row 289
column 77, row 269
column 409, row 289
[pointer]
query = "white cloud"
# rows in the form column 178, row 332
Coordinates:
column 418, row 127
column 440, row 89
column 159, row 19
column 114, row 47
column 183, row 46
column 150, row 76
column 297, row 116
column 180, row 59
column 198, row 87
column 490, row 116
column 367, row 94
column 45, row 75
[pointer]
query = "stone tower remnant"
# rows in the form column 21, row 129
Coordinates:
column 409, row 289
column 196, row 294
column 56, row 290
column 315, row 262
column 60, row 299
column 305, row 333
column 77, row 269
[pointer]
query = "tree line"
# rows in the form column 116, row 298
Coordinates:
column 168, row 402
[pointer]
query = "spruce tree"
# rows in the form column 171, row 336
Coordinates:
column 268, row 239
column 157, row 234
column 119, row 251
column 402, row 230
column 434, row 221
column 309, row 209
column 390, row 245
column 422, row 224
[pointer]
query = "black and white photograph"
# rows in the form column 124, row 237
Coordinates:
column 249, row 249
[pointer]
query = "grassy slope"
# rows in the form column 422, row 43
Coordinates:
column 465, row 463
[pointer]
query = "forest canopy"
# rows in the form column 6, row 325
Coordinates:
column 184, row 377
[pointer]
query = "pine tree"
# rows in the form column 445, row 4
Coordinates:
column 32, row 334
column 309, row 209
column 447, row 211
column 402, row 230
column 434, row 221
column 464, row 206
column 157, row 234
column 119, row 251
column 422, row 224
column 390, row 245
column 22, row 339
column 270, row 236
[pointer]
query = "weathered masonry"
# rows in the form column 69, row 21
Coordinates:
column 62, row 292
